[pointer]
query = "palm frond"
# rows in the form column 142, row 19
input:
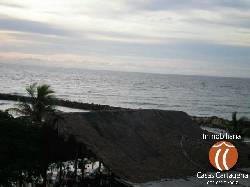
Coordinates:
column 31, row 90
column 44, row 91
column 41, row 104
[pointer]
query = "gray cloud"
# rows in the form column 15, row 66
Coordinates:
column 21, row 25
column 190, row 4
column 228, row 20
column 180, row 49
column 154, row 31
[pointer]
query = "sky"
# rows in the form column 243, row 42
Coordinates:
column 196, row 37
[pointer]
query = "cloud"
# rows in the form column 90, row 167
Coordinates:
column 116, row 20
column 137, row 35
column 127, row 63
column 11, row 5
column 157, row 5
column 21, row 25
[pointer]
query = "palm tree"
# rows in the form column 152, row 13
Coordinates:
column 41, row 103
column 39, row 109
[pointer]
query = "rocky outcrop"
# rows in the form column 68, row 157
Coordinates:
column 214, row 122
column 64, row 103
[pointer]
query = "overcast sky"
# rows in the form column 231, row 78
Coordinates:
column 204, row 37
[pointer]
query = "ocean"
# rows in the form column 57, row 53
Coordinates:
column 196, row 95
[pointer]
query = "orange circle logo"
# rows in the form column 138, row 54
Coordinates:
column 223, row 155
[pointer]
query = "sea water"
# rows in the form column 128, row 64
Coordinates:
column 196, row 95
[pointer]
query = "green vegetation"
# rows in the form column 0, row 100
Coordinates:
column 36, row 113
column 24, row 141
column 27, row 150
column 19, row 149
column 239, row 126
column 31, row 146
column 40, row 106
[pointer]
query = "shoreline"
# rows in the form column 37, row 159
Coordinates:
column 212, row 122
column 209, row 121
column 206, row 121
column 63, row 103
